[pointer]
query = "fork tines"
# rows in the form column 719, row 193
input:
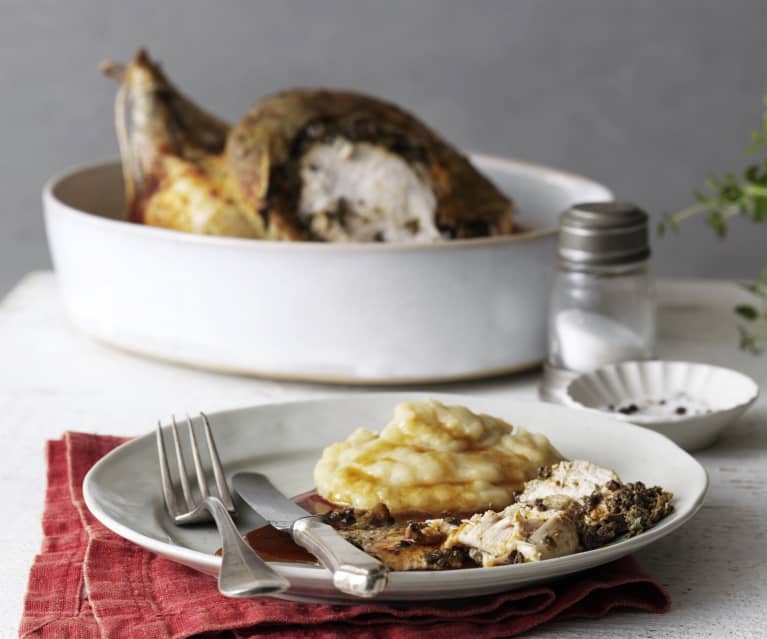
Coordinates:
column 170, row 494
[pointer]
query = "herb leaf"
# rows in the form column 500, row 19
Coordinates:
column 747, row 312
column 743, row 195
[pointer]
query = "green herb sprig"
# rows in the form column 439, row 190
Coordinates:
column 742, row 196
column 753, row 334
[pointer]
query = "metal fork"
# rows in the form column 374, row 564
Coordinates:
column 243, row 573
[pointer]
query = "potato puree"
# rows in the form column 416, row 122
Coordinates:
column 432, row 458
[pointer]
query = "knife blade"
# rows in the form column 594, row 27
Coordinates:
column 354, row 571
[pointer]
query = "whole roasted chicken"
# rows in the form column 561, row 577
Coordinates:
column 301, row 165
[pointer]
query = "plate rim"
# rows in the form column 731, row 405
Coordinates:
column 310, row 573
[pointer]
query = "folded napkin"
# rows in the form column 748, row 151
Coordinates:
column 88, row 583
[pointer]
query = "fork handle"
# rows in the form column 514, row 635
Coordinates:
column 243, row 573
column 354, row 571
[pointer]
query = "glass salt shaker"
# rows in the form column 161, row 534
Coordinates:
column 602, row 307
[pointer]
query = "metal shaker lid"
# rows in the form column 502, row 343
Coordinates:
column 599, row 234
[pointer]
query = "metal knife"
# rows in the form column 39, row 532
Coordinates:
column 354, row 571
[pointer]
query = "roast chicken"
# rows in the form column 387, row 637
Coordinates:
column 301, row 165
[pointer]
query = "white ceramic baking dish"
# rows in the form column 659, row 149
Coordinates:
column 360, row 313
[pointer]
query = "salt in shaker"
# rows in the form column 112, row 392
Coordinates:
column 602, row 307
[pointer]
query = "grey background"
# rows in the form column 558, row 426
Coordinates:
column 647, row 97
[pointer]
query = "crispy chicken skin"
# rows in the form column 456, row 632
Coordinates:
column 174, row 168
column 301, row 165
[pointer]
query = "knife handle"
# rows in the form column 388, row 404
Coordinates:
column 354, row 571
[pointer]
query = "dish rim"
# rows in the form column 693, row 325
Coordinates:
column 500, row 163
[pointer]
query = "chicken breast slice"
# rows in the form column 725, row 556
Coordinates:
column 516, row 534
column 575, row 479
column 362, row 192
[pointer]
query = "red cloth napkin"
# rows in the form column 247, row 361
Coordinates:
column 88, row 583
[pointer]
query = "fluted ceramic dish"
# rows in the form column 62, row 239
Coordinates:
column 360, row 313
column 725, row 392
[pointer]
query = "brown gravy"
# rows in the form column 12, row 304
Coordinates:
column 274, row 545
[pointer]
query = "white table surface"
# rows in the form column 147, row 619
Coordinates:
column 53, row 379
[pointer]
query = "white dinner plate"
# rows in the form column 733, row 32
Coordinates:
column 285, row 440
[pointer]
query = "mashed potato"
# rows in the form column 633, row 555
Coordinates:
column 432, row 458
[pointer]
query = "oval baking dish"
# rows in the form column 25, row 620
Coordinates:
column 354, row 313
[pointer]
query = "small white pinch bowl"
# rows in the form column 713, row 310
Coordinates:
column 727, row 393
